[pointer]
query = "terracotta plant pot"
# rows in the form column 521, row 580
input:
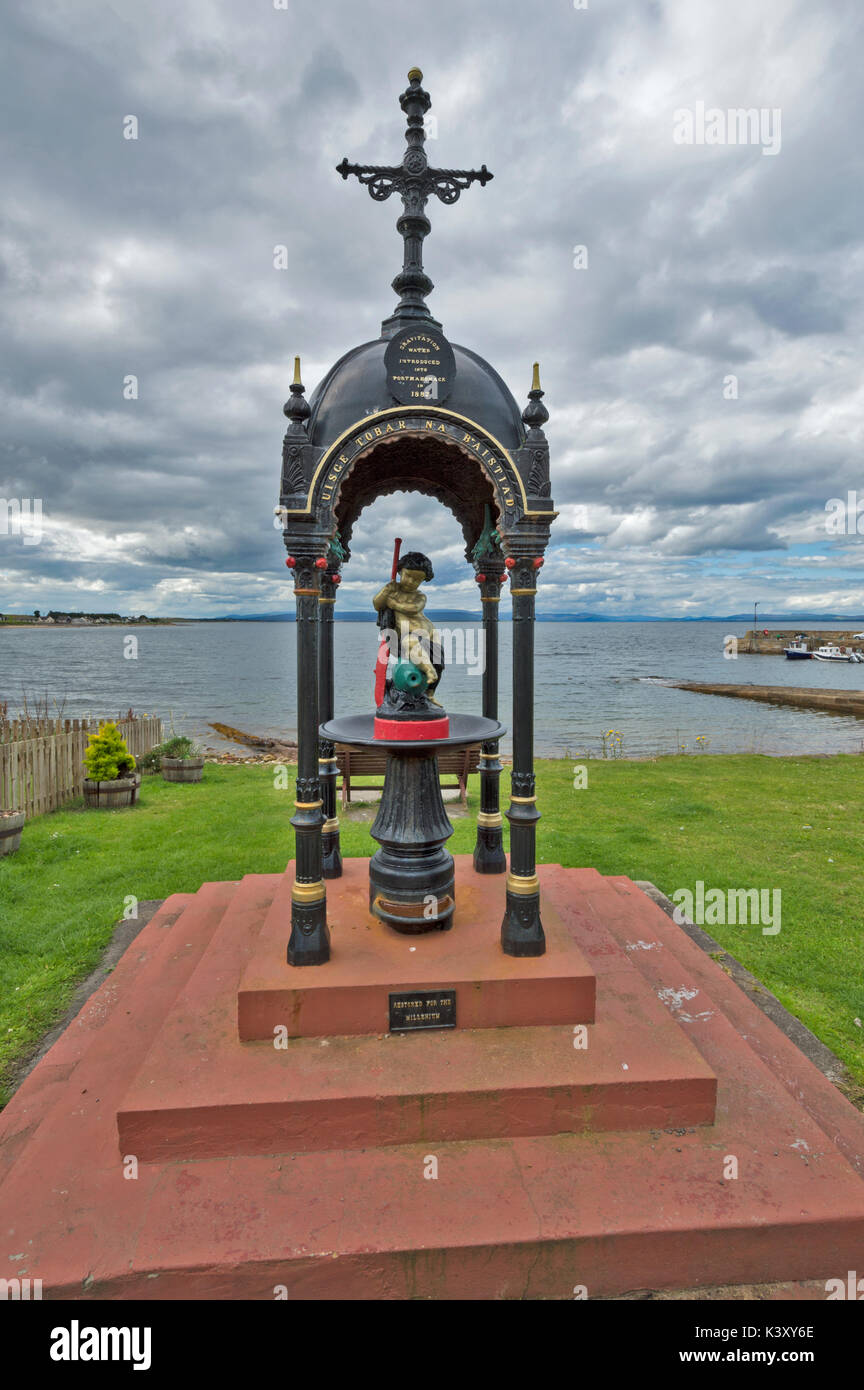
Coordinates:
column 11, row 825
column 111, row 796
column 182, row 769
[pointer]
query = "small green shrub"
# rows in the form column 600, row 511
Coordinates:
column 107, row 756
column 179, row 747
column 151, row 762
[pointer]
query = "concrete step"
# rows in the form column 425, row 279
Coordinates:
column 369, row 961
column 114, row 1029
column 203, row 1093
column 39, row 1092
column 827, row 1106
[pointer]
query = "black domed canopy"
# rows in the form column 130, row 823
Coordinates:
column 357, row 387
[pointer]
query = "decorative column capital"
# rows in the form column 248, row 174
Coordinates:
column 329, row 581
column 307, row 566
column 523, row 571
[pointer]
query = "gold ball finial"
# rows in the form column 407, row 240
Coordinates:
column 415, row 72
column 297, row 379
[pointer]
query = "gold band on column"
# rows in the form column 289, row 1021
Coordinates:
column 490, row 820
column 524, row 800
column 308, row 892
column 330, row 826
column 524, row 887
column 308, row 805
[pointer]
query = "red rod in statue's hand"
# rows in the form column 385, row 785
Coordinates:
column 383, row 651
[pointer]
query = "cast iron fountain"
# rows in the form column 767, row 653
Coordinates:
column 411, row 877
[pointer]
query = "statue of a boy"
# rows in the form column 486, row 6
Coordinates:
column 400, row 606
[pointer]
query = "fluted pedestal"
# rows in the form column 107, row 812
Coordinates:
column 411, row 876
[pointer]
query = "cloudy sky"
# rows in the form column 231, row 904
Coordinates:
column 703, row 371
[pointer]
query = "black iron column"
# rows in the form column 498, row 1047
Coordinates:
column 327, row 767
column 489, row 856
column 522, row 930
column 310, row 936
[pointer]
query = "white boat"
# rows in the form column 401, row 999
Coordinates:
column 831, row 652
column 798, row 650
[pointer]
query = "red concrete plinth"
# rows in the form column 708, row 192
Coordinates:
column 582, row 1179
column 369, row 962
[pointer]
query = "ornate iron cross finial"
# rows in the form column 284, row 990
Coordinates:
column 415, row 182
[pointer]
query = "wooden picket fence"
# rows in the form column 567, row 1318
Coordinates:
column 42, row 760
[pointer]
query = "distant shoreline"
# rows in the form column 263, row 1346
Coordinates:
column 829, row 626
column 66, row 627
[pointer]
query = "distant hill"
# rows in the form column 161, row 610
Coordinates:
column 472, row 616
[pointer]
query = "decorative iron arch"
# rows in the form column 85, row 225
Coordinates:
column 413, row 462
column 425, row 444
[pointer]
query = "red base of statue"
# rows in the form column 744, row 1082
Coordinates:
column 411, row 730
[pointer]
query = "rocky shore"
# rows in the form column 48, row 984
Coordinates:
column 261, row 749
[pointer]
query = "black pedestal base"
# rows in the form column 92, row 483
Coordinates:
column 522, row 931
column 489, row 856
column 331, row 854
column 426, row 907
column 309, row 943
column 411, row 877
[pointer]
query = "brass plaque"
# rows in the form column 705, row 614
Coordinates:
column 413, row 1010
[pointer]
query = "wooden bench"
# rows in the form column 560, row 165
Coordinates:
column 368, row 762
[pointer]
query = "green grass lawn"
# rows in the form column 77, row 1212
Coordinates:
column 733, row 822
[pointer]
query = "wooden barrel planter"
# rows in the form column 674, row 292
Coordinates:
column 182, row 769
column 11, row 825
column 111, row 796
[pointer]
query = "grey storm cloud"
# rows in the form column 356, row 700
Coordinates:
column 702, row 371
